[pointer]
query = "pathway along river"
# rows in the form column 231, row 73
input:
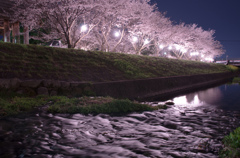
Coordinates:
column 193, row 127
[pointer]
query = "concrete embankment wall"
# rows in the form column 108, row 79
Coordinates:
column 132, row 89
column 159, row 87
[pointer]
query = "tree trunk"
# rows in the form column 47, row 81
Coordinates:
column 69, row 46
column 6, row 35
column 26, row 35
column 68, row 42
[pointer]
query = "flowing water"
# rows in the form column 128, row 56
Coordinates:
column 193, row 127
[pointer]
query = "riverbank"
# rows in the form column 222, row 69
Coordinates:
column 33, row 62
column 36, row 70
column 33, row 70
column 12, row 104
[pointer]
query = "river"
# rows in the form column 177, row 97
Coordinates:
column 193, row 127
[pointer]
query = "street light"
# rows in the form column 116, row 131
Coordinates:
column 146, row 41
column 178, row 47
column 135, row 39
column 84, row 28
column 117, row 34
column 184, row 50
column 161, row 46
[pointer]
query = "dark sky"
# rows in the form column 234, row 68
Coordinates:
column 223, row 16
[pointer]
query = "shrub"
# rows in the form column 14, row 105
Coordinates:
column 231, row 145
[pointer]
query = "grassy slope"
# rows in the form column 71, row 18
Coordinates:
column 34, row 62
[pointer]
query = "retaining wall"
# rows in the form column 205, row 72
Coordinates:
column 150, row 88
column 132, row 89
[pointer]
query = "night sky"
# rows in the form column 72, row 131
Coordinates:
column 223, row 16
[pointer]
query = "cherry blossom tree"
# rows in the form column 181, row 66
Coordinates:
column 118, row 18
column 111, row 29
column 143, row 33
column 192, row 42
column 127, row 26
column 162, row 31
column 68, row 20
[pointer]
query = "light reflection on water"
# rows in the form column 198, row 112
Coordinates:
column 225, row 97
column 201, row 98
column 193, row 127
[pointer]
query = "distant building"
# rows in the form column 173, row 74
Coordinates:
column 9, row 28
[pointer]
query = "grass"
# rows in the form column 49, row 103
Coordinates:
column 97, row 105
column 232, row 68
column 78, row 65
column 231, row 145
column 12, row 104
column 236, row 80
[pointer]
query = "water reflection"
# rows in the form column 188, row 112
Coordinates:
column 209, row 96
column 225, row 97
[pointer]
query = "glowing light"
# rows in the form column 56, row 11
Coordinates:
column 182, row 101
column 117, row 34
column 170, row 48
column 165, row 53
column 184, row 50
column 146, row 41
column 135, row 39
column 161, row 46
column 194, row 53
column 84, row 28
column 84, row 48
column 209, row 59
column 178, row 47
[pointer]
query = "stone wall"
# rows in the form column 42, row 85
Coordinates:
column 132, row 89
column 45, row 87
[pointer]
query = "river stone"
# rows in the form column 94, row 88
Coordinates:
column 65, row 85
column 4, row 83
column 77, row 92
column 170, row 124
column 87, row 89
column 9, row 83
column 53, row 93
column 56, row 84
column 14, row 83
column 31, row 83
column 51, row 83
column 27, row 91
column 75, row 84
column 48, row 83
column 42, row 91
column 169, row 103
